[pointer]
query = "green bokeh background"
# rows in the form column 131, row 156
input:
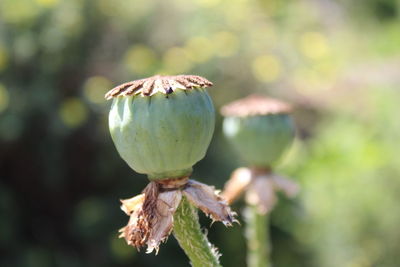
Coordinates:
column 61, row 178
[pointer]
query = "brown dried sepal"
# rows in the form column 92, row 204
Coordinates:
column 163, row 84
column 236, row 185
column 260, row 187
column 286, row 185
column 142, row 216
column 151, row 213
column 261, row 193
column 207, row 199
column 162, row 223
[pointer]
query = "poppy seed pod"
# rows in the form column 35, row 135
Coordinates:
column 161, row 126
column 259, row 128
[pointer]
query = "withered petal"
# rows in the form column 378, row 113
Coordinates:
column 286, row 185
column 134, row 233
column 261, row 193
column 131, row 204
column 237, row 184
column 138, row 229
column 205, row 198
column 152, row 213
column 163, row 220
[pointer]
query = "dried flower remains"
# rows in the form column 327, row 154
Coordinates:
column 260, row 187
column 152, row 212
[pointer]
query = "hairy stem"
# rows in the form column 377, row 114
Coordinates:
column 257, row 235
column 190, row 237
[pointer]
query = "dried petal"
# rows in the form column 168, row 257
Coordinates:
column 138, row 230
column 236, row 185
column 163, row 220
column 131, row 204
column 261, row 193
column 131, row 232
column 289, row 187
column 152, row 213
column 205, row 198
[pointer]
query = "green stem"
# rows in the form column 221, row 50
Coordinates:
column 257, row 235
column 190, row 237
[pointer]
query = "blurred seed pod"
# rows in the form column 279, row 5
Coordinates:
column 259, row 128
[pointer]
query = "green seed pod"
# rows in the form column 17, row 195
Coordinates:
column 259, row 128
column 162, row 125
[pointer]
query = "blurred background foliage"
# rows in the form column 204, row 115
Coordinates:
column 61, row 178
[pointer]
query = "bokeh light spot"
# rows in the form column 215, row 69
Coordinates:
column 307, row 81
column 140, row 59
column 208, row 3
column 89, row 215
column 36, row 256
column 18, row 12
column 266, row 68
column 176, row 61
column 226, row 43
column 95, row 88
column 4, row 98
column 237, row 15
column 73, row 112
column 262, row 38
column 46, row 3
column 314, row 45
column 120, row 249
column 109, row 8
column 199, row 49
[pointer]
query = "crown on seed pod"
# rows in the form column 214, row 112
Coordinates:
column 158, row 84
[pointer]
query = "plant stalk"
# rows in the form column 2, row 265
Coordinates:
column 191, row 239
column 258, row 240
